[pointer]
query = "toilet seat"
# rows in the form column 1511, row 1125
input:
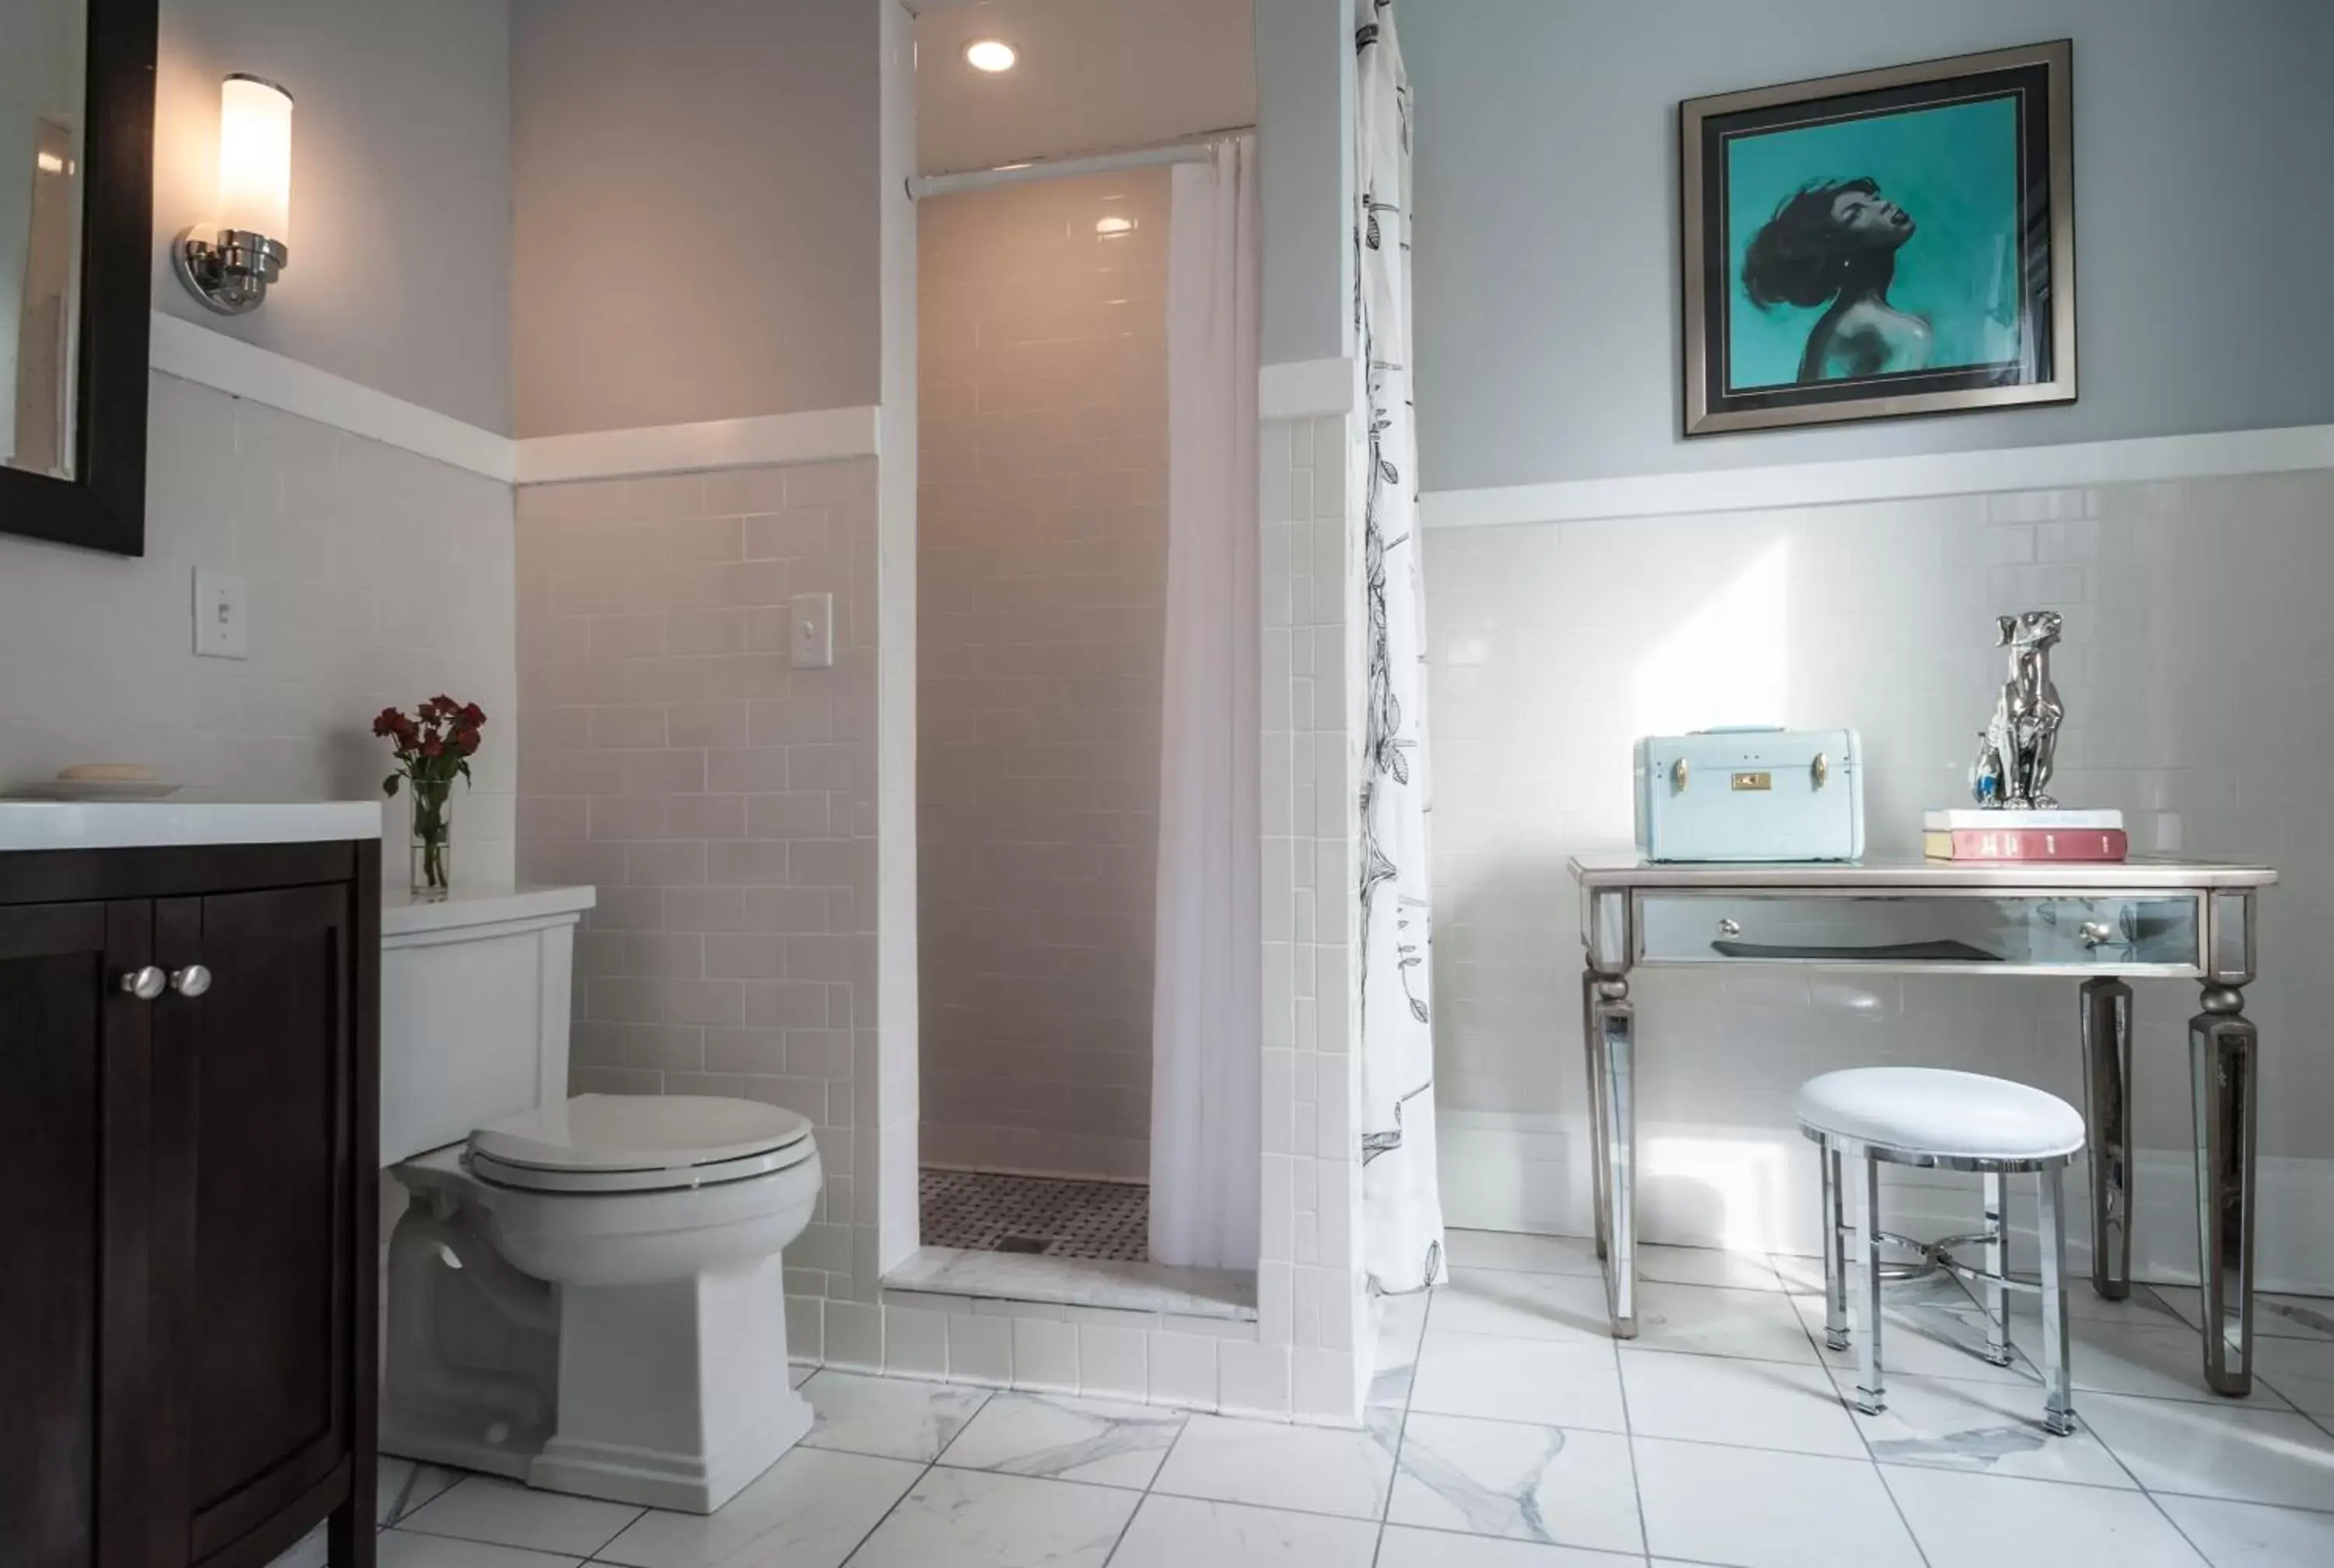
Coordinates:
column 634, row 1144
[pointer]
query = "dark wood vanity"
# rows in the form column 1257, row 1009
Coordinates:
column 187, row 1128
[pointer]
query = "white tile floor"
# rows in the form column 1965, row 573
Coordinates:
column 1508, row 1431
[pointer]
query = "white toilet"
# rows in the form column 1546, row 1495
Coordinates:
column 584, row 1294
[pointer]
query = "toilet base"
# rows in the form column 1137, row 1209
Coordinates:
column 688, row 1483
column 671, row 1393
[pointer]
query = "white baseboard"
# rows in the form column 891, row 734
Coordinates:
column 1757, row 1188
column 2217, row 454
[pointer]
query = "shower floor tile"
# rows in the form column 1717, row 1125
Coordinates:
column 981, row 1211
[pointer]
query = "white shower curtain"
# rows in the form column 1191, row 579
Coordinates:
column 1206, row 1000
column 1402, row 1208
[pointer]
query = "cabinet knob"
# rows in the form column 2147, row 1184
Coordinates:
column 2097, row 933
column 144, row 984
column 191, row 981
column 1730, row 926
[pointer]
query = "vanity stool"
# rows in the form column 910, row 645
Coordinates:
column 1926, row 1116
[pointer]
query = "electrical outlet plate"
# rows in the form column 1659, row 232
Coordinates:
column 222, row 615
column 812, row 638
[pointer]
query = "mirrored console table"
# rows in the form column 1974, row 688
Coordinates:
column 2101, row 924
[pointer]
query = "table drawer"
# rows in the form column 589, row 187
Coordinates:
column 2114, row 933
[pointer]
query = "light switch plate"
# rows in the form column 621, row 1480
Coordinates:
column 813, row 639
column 222, row 615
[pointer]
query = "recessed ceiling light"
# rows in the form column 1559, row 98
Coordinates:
column 990, row 54
column 1112, row 227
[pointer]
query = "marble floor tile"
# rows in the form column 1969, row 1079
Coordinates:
column 1707, row 1265
column 891, row 1417
column 1756, row 1404
column 2302, row 1371
column 1701, row 1319
column 1398, row 1323
column 1185, row 1532
column 799, row 1374
column 406, row 1485
column 809, row 1510
column 1540, row 1306
column 1929, row 1328
column 1551, row 1383
column 2251, row 1535
column 404, row 1549
column 2086, row 1305
column 1067, row 1439
column 2222, row 1450
column 1403, row 1546
column 505, row 1513
column 1527, row 1483
column 1761, row 1509
column 2132, row 1358
column 2302, row 1317
column 1963, row 1521
column 1314, row 1469
column 973, row 1519
column 1511, row 1250
column 1986, row 1428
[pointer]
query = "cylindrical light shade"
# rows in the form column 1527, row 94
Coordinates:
column 256, row 157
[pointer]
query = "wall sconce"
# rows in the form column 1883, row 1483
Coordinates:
column 231, row 270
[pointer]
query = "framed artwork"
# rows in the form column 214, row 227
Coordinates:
column 1886, row 243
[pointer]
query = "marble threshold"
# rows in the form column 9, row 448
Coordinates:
column 1227, row 1295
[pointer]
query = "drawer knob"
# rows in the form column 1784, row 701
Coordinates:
column 1730, row 926
column 191, row 981
column 2097, row 933
column 145, row 983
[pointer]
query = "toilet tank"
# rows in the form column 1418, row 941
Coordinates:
column 474, row 994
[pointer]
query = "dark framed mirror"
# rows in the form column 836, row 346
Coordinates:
column 76, row 228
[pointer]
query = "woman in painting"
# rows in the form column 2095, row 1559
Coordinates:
column 1834, row 244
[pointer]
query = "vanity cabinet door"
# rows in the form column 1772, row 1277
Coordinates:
column 72, row 1232
column 255, row 1170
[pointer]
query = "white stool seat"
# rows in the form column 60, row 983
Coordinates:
column 1932, row 1111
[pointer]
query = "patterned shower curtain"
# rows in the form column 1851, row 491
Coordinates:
column 1401, row 1210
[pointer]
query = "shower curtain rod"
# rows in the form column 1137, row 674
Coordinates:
column 1191, row 151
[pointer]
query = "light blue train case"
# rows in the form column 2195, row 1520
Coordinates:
column 1751, row 794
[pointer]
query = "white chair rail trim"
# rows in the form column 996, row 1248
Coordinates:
column 211, row 359
column 2220, row 454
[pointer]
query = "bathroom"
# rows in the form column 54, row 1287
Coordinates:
column 789, row 483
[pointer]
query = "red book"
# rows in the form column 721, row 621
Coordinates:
column 2095, row 844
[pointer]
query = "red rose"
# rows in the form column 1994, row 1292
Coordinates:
column 473, row 714
column 433, row 747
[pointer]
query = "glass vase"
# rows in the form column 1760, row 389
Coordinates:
column 433, row 840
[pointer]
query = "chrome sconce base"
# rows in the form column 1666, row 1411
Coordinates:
column 230, row 271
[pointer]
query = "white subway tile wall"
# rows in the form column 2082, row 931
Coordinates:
column 1042, row 576
column 720, row 800
column 377, row 576
column 2194, row 674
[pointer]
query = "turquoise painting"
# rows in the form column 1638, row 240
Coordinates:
column 1870, row 247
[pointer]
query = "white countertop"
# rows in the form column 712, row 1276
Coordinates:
column 478, row 904
column 170, row 823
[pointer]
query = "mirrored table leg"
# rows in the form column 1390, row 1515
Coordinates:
column 1590, row 1046
column 2106, row 1107
column 2223, row 1050
column 1616, row 1110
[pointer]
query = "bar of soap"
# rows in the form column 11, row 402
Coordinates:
column 107, row 773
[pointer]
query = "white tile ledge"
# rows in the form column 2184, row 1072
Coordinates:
column 171, row 823
column 2149, row 459
column 1138, row 1287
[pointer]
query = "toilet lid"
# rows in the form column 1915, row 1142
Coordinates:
column 648, row 1134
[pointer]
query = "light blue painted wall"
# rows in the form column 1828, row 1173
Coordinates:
column 1548, row 337
column 1303, row 115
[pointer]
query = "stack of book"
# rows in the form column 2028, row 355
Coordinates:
column 2002, row 836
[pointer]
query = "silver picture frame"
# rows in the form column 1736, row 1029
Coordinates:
column 2048, row 300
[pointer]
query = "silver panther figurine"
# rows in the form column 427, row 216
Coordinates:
column 2016, row 752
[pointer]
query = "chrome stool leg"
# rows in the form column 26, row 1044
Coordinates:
column 1871, row 1398
column 1997, row 1263
column 2058, row 1399
column 1835, row 1245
